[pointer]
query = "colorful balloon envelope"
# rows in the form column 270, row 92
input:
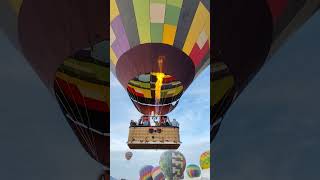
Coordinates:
column 157, row 49
column 205, row 160
column 69, row 52
column 193, row 171
column 157, row 173
column 146, row 172
column 81, row 87
column 172, row 164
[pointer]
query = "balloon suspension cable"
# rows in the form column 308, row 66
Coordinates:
column 82, row 133
column 88, row 138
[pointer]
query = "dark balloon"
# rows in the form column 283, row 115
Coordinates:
column 246, row 34
column 66, row 42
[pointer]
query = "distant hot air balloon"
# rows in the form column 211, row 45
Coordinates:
column 157, row 174
column 158, row 47
column 246, row 34
column 146, row 172
column 205, row 160
column 128, row 155
column 193, row 171
column 69, row 52
column 172, row 164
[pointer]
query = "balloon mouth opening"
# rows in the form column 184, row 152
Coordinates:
column 155, row 93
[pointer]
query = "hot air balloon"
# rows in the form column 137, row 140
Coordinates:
column 205, row 164
column 157, row 48
column 205, row 160
column 128, row 155
column 246, row 35
column 146, row 172
column 193, row 171
column 68, row 51
column 157, row 174
column 172, row 164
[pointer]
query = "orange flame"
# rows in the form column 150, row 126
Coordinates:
column 160, row 77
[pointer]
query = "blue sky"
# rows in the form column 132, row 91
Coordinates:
column 192, row 112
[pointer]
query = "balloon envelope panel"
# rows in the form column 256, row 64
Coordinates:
column 157, row 174
column 181, row 24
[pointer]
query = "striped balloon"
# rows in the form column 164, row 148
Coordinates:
column 157, row 173
column 205, row 160
column 146, row 172
column 193, row 171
